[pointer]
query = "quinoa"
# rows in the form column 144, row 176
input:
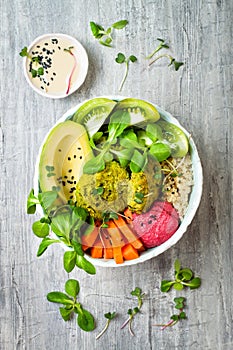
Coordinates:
column 178, row 182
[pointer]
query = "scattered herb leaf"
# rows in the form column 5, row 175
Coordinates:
column 179, row 304
column 122, row 59
column 109, row 316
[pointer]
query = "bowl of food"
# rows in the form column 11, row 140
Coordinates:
column 55, row 65
column 127, row 178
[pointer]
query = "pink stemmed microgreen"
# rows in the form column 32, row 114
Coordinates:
column 132, row 312
column 179, row 304
column 109, row 316
column 73, row 69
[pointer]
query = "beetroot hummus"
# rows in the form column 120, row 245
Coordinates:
column 157, row 225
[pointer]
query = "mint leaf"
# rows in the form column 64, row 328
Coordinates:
column 72, row 288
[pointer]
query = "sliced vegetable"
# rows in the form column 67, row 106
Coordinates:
column 129, row 252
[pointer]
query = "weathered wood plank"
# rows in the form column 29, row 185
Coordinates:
column 200, row 94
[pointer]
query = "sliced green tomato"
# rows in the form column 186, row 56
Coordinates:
column 140, row 111
column 176, row 139
column 93, row 113
column 160, row 151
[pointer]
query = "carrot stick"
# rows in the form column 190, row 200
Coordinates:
column 129, row 252
column 108, row 253
column 128, row 233
column 97, row 249
column 117, row 254
column 115, row 235
column 105, row 239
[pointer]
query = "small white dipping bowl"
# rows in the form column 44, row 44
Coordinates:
column 194, row 199
column 58, row 59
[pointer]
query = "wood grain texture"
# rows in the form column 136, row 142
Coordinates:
column 200, row 94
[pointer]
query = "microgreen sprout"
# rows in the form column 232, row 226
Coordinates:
column 176, row 64
column 179, row 304
column 162, row 45
column 105, row 36
column 69, row 50
column 122, row 59
column 70, row 304
column 132, row 312
column 183, row 278
column 109, row 316
column 36, row 59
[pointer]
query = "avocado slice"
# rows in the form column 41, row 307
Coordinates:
column 140, row 111
column 93, row 113
column 62, row 159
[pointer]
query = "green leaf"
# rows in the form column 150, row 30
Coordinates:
column 108, row 157
column 177, row 266
column 129, row 134
column 85, row 265
column 133, row 58
column 119, row 121
column 86, row 321
column 175, row 317
column 120, row 58
column 138, row 162
column 94, row 165
column 179, row 300
column 154, row 132
column 106, row 42
column 24, row 52
column 44, row 245
column 69, row 260
column 139, row 195
column 120, row 24
column 65, row 313
column 49, row 168
column 136, row 292
column 186, row 274
column 110, row 316
column 72, row 288
column 40, row 71
column 32, row 201
column 166, row 285
column 160, row 151
column 40, row 229
column 60, row 298
column 47, row 199
column 178, row 286
column 177, row 65
column 144, row 139
column 194, row 283
column 61, row 225
column 182, row 315
column 34, row 73
column 96, row 28
column 77, row 247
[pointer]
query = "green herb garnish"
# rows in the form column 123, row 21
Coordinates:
column 162, row 45
column 132, row 312
column 105, row 36
column 109, row 316
column 173, row 62
column 183, row 278
column 85, row 319
column 179, row 304
column 122, row 59
column 36, row 59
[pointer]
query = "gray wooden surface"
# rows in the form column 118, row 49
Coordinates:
column 200, row 95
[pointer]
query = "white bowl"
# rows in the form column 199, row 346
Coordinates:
column 194, row 199
column 81, row 68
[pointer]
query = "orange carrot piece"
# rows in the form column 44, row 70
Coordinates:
column 117, row 254
column 97, row 249
column 108, row 253
column 129, row 252
column 90, row 239
column 128, row 233
column 129, row 214
column 115, row 235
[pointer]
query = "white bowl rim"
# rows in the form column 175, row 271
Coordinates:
column 83, row 71
column 194, row 199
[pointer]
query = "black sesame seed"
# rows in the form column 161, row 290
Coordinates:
column 42, row 87
column 63, row 183
column 59, row 47
column 52, row 78
column 69, row 158
column 46, row 44
column 80, row 157
column 75, row 182
column 46, row 72
column 53, row 50
column 38, row 46
column 75, row 156
column 44, row 49
column 79, row 148
column 59, row 150
column 65, row 177
column 70, row 170
column 71, row 197
column 72, row 177
column 47, row 84
column 54, row 73
column 33, row 53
